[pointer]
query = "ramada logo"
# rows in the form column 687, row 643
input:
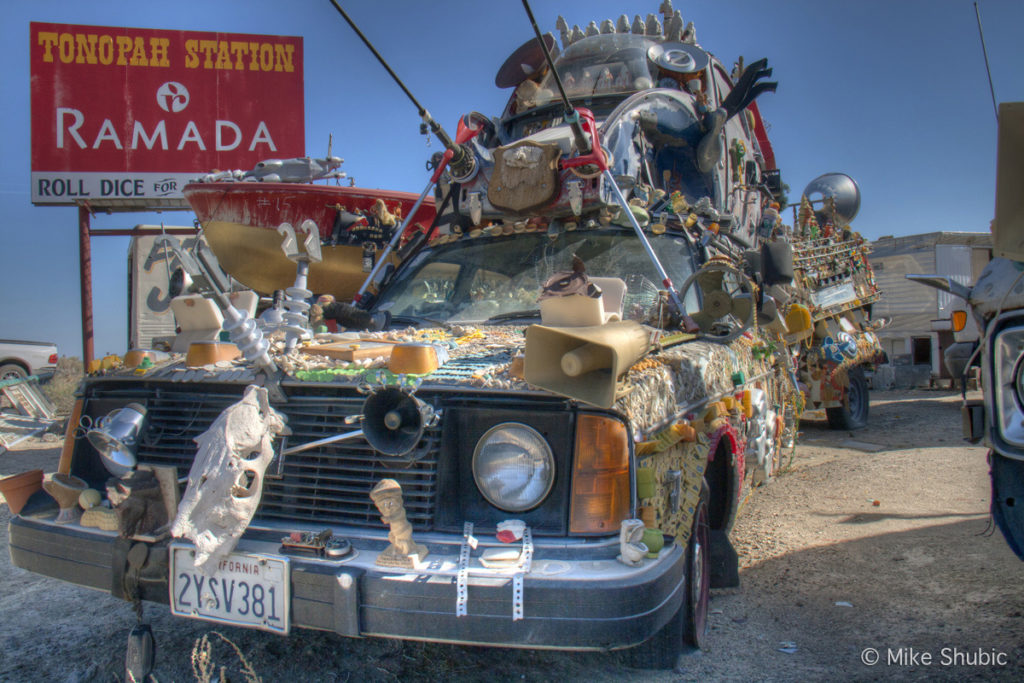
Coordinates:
column 172, row 97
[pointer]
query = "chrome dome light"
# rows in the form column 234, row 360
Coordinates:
column 115, row 437
column 513, row 467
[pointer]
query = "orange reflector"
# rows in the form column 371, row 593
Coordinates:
column 600, row 476
column 64, row 464
column 959, row 320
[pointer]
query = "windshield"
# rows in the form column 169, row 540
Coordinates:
column 615, row 63
column 477, row 280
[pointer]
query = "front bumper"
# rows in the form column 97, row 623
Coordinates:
column 575, row 596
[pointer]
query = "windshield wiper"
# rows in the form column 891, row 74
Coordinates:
column 514, row 315
column 415, row 320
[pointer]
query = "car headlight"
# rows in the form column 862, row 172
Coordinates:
column 513, row 467
column 1008, row 352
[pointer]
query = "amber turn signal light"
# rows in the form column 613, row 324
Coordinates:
column 959, row 320
column 600, row 476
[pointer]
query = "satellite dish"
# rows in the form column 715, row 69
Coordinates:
column 678, row 58
column 838, row 185
column 525, row 62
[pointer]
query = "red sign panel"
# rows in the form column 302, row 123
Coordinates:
column 128, row 113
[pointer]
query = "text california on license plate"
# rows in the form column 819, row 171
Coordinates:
column 246, row 590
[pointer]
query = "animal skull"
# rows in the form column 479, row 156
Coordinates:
column 225, row 483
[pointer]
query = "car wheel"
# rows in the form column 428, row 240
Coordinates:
column 1007, row 494
column 12, row 371
column 688, row 627
column 853, row 414
column 698, row 576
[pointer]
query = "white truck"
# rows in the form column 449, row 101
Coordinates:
column 23, row 358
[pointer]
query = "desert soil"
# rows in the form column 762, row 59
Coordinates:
column 879, row 539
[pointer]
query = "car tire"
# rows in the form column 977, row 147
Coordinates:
column 12, row 371
column 853, row 414
column 1007, row 493
column 687, row 630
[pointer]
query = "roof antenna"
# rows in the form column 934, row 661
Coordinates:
column 984, row 51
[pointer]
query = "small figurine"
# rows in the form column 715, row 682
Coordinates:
column 666, row 9
column 316, row 319
column 384, row 217
column 738, row 152
column 769, row 220
column 344, row 222
column 563, row 29
column 403, row 551
column 674, row 27
column 653, row 26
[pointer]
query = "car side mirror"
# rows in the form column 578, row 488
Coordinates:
column 943, row 282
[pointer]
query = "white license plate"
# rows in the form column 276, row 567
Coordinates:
column 246, row 590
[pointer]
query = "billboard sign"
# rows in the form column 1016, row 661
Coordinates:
column 133, row 114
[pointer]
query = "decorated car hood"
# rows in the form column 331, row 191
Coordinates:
column 663, row 384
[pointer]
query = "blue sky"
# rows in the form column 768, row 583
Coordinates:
column 892, row 92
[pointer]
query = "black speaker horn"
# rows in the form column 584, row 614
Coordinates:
column 777, row 263
column 394, row 420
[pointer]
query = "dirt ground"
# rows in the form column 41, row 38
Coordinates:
column 876, row 543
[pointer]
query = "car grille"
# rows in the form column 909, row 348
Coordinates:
column 329, row 485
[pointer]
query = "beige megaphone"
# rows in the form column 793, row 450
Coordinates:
column 583, row 362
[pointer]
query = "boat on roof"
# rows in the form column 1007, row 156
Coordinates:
column 240, row 213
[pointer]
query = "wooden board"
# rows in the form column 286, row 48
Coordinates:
column 352, row 350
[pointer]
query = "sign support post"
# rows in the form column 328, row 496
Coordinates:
column 85, row 271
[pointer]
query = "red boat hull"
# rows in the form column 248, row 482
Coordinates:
column 240, row 224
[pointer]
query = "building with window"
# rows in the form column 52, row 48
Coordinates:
column 919, row 331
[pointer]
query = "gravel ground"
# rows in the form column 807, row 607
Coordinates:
column 870, row 543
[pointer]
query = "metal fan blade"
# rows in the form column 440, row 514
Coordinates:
column 704, row 320
column 742, row 305
column 717, row 304
column 710, row 280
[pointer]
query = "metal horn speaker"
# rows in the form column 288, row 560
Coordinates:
column 394, row 420
column 840, row 186
column 115, row 437
column 583, row 362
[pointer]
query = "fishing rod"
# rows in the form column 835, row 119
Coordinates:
column 570, row 115
column 460, row 154
column 460, row 157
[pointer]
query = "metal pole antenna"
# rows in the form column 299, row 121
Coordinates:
column 984, row 51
